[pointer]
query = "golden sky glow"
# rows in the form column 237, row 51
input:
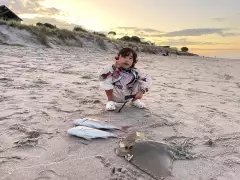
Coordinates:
column 205, row 27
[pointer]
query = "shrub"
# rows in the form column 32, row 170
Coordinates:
column 79, row 28
column 14, row 23
column 112, row 33
column 99, row 34
column 39, row 24
column 184, row 49
column 2, row 22
column 100, row 42
column 66, row 34
column 145, row 43
column 43, row 39
column 135, row 39
column 125, row 38
column 50, row 25
column 132, row 39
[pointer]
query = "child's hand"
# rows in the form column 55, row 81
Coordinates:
column 139, row 95
column 117, row 64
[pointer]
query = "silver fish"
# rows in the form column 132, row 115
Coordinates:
column 98, row 124
column 90, row 133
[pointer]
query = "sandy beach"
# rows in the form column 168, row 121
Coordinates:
column 43, row 90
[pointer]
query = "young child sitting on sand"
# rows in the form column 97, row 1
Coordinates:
column 121, row 79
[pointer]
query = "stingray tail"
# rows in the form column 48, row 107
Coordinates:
column 145, row 172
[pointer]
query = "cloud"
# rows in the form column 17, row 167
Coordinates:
column 147, row 32
column 150, row 30
column 195, row 32
column 199, row 32
column 143, row 32
column 230, row 34
column 219, row 19
column 186, row 42
column 126, row 28
column 136, row 29
column 216, row 49
column 31, row 7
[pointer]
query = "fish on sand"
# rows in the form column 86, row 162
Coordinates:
column 98, row 124
column 89, row 133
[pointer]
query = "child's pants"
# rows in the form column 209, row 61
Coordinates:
column 119, row 94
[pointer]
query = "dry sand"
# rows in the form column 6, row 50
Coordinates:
column 43, row 90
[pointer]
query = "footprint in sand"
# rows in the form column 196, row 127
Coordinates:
column 87, row 76
column 6, row 82
column 5, row 79
column 228, row 77
column 31, row 138
column 21, row 128
column 104, row 161
column 119, row 173
column 5, row 98
column 40, row 81
column 127, row 174
column 238, row 85
column 90, row 101
column 10, row 159
column 80, row 83
column 50, row 174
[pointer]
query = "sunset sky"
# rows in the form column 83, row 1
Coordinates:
column 206, row 27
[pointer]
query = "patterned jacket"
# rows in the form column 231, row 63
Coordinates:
column 114, row 77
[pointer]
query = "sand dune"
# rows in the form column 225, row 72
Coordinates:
column 42, row 90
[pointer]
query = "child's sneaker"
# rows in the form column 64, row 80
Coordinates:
column 110, row 106
column 139, row 104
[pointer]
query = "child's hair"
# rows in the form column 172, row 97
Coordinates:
column 126, row 52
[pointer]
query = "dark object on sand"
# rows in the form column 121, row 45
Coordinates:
column 165, row 54
column 126, row 98
column 153, row 158
column 209, row 142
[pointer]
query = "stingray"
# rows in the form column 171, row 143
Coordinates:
column 153, row 158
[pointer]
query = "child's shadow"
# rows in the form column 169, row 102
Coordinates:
column 129, row 115
column 121, row 108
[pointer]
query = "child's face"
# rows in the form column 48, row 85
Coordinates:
column 125, row 62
